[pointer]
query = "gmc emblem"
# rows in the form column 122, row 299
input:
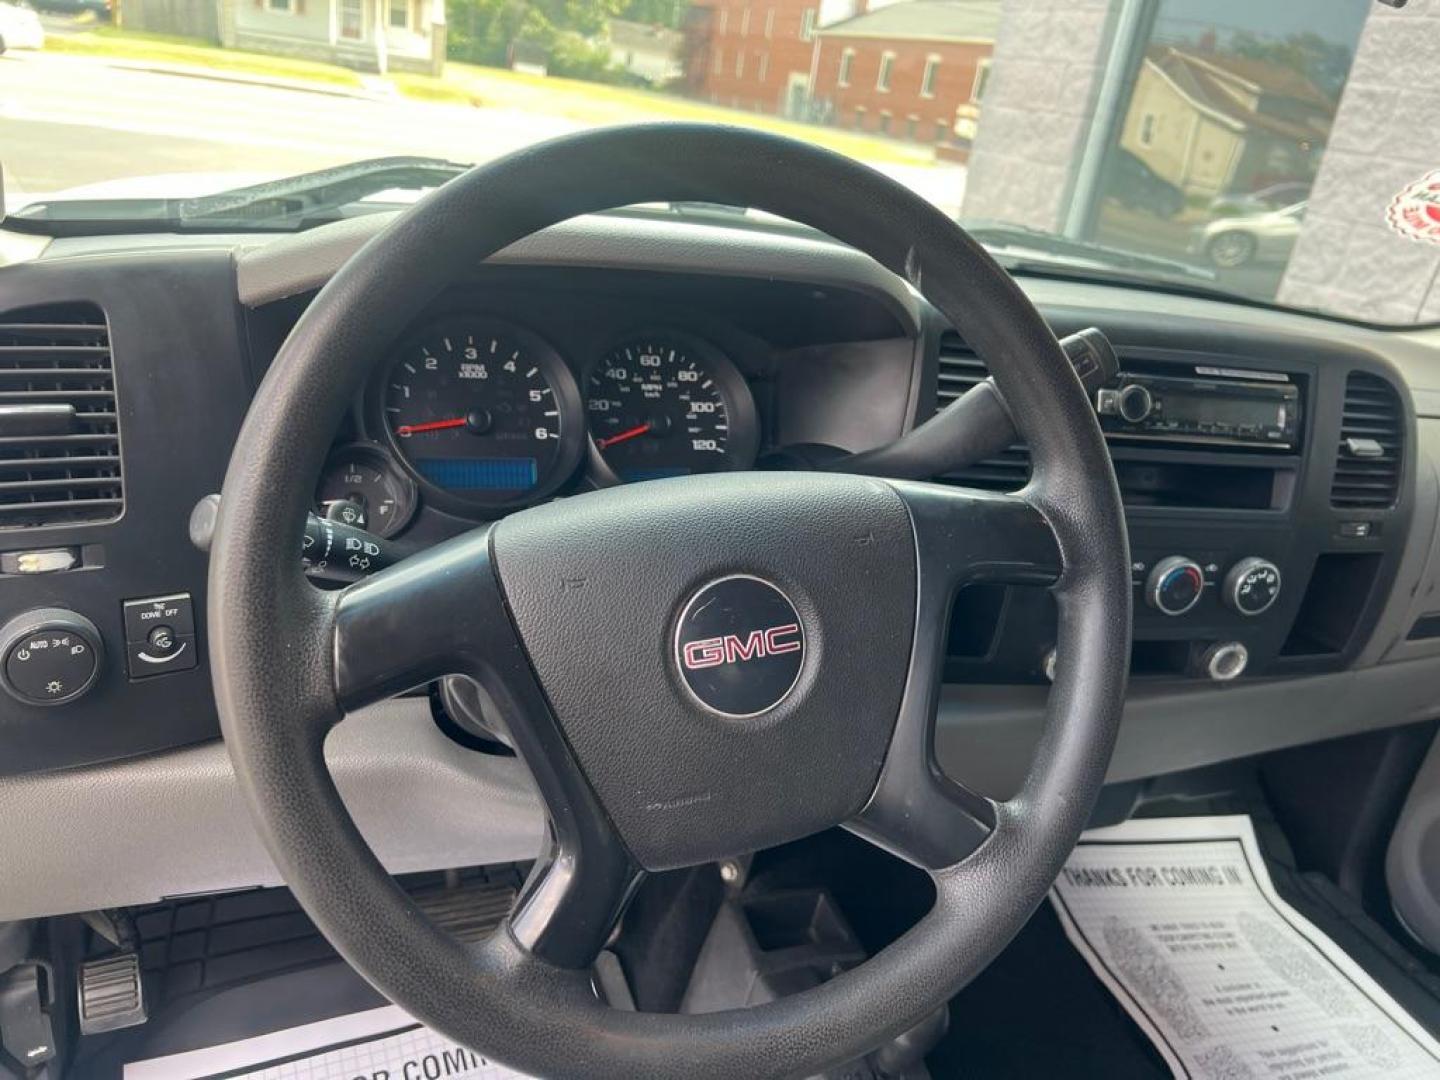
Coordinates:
column 739, row 646
column 732, row 649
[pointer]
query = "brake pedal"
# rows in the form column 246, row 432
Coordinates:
column 112, row 995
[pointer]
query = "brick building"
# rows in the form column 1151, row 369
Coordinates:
column 913, row 70
column 757, row 54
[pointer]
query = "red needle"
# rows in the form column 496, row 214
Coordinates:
column 622, row 436
column 433, row 425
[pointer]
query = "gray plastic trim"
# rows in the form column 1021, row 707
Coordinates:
column 299, row 262
column 1412, row 869
column 1416, row 591
column 171, row 824
column 986, row 735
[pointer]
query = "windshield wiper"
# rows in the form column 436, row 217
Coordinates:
column 1004, row 238
column 291, row 203
column 318, row 194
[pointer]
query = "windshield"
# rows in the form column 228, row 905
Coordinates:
column 1279, row 152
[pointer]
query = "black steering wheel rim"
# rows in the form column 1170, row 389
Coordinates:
column 276, row 677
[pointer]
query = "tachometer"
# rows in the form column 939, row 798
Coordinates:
column 666, row 404
column 483, row 412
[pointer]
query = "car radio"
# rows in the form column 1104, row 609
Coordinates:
column 1234, row 407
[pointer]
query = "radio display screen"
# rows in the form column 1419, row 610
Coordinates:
column 1222, row 409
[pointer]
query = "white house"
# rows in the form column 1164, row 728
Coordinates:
column 372, row 35
column 651, row 52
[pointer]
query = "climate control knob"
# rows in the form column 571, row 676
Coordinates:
column 1174, row 585
column 1133, row 403
column 1252, row 586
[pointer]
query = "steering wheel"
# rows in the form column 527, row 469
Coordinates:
column 690, row 668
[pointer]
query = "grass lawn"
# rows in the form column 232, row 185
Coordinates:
column 582, row 102
column 598, row 103
column 162, row 49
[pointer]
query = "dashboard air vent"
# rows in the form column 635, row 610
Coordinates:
column 960, row 369
column 59, row 433
column 1367, row 465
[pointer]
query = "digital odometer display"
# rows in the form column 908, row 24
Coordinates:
column 657, row 407
column 475, row 409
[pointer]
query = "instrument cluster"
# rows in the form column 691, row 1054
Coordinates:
column 477, row 415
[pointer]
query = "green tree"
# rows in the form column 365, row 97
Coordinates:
column 655, row 12
column 1325, row 63
column 482, row 32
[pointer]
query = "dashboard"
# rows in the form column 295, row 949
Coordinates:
column 1279, row 475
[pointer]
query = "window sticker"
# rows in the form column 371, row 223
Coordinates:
column 1415, row 212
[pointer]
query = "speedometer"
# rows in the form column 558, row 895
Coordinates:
column 483, row 413
column 666, row 404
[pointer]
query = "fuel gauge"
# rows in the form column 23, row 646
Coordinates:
column 361, row 486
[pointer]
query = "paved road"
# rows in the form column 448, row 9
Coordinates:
column 67, row 121
column 60, row 24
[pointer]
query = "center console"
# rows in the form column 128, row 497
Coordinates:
column 1263, row 497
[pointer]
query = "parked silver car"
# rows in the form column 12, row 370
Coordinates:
column 1266, row 237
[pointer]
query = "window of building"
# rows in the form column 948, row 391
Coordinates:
column 399, row 14
column 982, row 77
column 764, row 66
column 887, row 66
column 1147, row 129
column 942, row 131
column 807, row 25
column 724, row 20
column 770, row 22
column 739, row 63
column 744, row 22
column 282, row 6
column 883, row 126
column 927, row 80
column 847, row 60
column 352, row 19
column 859, row 117
column 718, row 63
column 912, row 127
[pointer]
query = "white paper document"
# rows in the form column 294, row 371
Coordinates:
column 1179, row 918
column 381, row 1044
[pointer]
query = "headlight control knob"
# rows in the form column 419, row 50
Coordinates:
column 49, row 656
column 1174, row 585
column 1252, row 586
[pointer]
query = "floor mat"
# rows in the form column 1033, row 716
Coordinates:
column 1178, row 917
column 375, row 1045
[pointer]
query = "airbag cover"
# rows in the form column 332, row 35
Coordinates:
column 597, row 585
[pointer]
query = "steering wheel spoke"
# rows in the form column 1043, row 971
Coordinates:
column 418, row 620
column 962, row 536
column 575, row 894
column 439, row 613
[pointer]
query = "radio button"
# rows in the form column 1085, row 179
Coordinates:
column 1175, row 585
column 1134, row 403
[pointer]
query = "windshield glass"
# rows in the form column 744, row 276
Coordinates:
column 1281, row 152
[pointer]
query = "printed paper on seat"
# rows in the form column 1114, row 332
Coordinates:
column 1179, row 918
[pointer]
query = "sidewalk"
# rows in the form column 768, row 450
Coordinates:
column 371, row 87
